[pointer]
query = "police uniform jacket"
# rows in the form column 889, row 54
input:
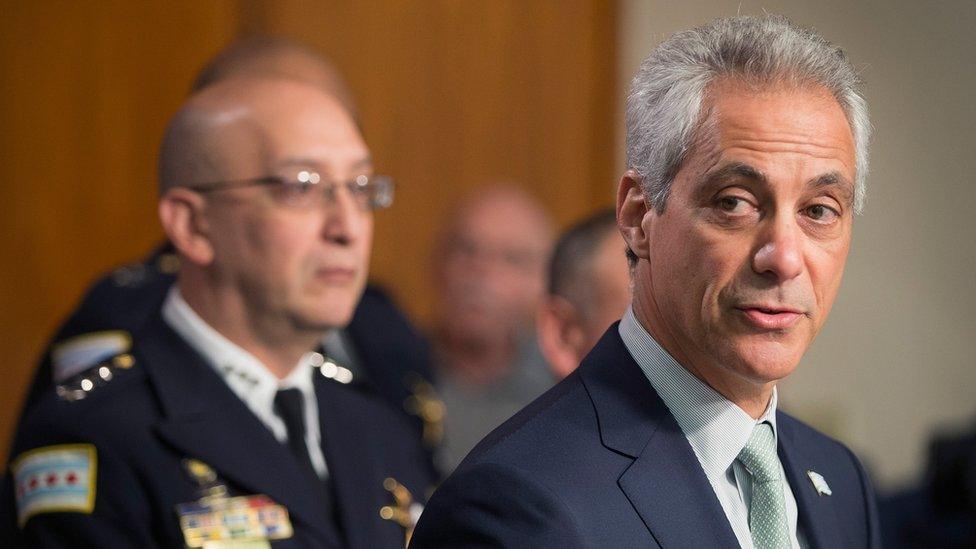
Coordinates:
column 169, row 406
column 391, row 353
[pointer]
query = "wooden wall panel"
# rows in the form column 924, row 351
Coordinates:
column 452, row 93
column 86, row 91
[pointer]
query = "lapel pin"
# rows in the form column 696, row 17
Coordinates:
column 819, row 483
column 205, row 477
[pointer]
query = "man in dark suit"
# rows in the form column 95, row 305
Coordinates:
column 747, row 143
column 222, row 423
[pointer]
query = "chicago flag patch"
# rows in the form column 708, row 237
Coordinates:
column 55, row 479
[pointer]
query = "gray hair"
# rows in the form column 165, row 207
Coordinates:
column 665, row 111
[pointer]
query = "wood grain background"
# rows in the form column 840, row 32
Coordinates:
column 453, row 94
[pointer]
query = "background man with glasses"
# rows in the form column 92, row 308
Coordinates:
column 222, row 423
column 378, row 351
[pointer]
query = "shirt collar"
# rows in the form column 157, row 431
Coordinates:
column 243, row 372
column 715, row 427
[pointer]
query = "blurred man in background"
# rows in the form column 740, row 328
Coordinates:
column 489, row 275
column 589, row 289
column 941, row 510
column 277, row 58
column 266, row 193
column 378, row 351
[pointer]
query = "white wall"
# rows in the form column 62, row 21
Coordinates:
column 895, row 361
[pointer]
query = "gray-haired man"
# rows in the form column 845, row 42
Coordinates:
column 747, row 144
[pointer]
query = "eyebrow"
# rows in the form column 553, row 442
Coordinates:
column 733, row 170
column 837, row 181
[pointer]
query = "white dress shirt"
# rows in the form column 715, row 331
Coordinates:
column 716, row 429
column 247, row 377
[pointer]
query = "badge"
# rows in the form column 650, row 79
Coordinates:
column 819, row 483
column 205, row 477
column 55, row 479
column 243, row 521
column 405, row 511
column 424, row 403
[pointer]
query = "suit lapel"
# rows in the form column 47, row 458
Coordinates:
column 356, row 478
column 665, row 483
column 204, row 419
column 817, row 517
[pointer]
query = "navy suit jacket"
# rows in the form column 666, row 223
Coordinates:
column 171, row 405
column 599, row 461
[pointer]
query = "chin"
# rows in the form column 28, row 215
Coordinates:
column 323, row 323
column 326, row 313
column 763, row 362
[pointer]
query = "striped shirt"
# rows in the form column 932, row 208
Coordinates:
column 716, row 429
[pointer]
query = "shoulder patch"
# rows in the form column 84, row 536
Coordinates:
column 76, row 354
column 55, row 479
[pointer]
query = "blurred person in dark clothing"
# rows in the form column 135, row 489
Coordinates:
column 941, row 511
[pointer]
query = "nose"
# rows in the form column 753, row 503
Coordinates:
column 780, row 253
column 345, row 219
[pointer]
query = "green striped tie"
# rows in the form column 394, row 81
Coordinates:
column 767, row 510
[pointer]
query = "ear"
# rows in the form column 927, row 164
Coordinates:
column 181, row 212
column 560, row 335
column 631, row 209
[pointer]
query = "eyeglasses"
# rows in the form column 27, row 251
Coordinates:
column 305, row 189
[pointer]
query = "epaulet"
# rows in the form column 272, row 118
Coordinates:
column 81, row 352
column 330, row 368
column 83, row 363
column 137, row 274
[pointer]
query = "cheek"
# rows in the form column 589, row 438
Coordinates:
column 709, row 266
column 278, row 245
column 826, row 269
column 364, row 245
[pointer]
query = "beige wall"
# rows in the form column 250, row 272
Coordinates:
column 896, row 359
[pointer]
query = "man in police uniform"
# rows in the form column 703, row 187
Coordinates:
column 379, row 351
column 218, row 425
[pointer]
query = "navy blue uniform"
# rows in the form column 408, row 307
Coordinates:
column 599, row 461
column 169, row 406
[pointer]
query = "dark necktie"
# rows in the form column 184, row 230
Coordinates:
column 289, row 404
column 290, row 407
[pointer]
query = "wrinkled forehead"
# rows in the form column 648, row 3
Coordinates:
column 784, row 119
column 775, row 108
